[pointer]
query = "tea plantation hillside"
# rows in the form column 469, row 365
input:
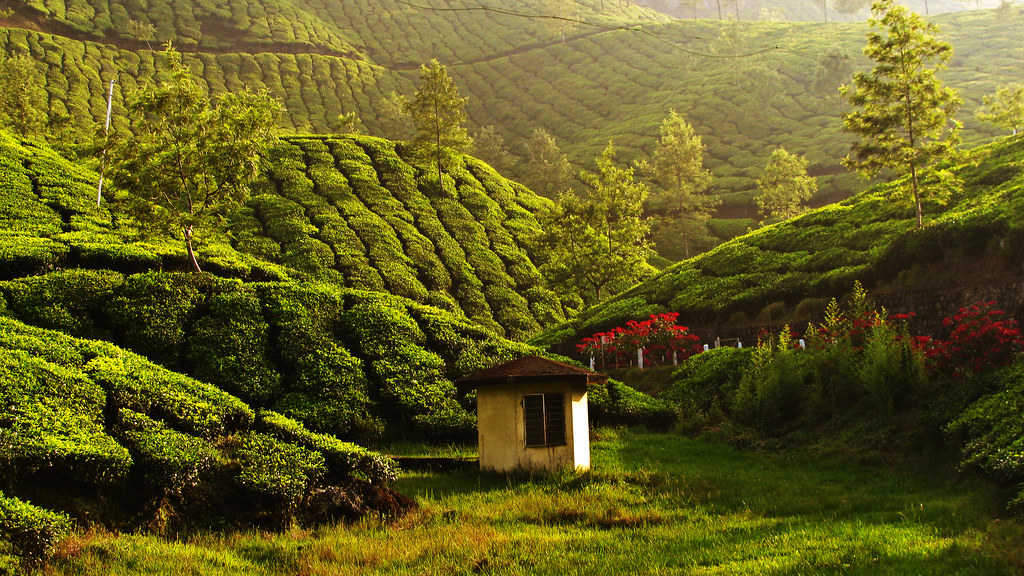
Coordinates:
column 747, row 87
column 105, row 436
column 350, row 211
column 802, row 10
column 331, row 299
column 787, row 272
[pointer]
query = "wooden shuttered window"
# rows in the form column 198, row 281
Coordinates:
column 544, row 419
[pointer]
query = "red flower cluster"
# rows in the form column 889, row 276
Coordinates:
column 659, row 337
column 979, row 340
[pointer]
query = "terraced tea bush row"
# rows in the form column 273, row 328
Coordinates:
column 84, row 413
column 196, row 24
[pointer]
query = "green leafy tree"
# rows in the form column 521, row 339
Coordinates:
column 489, row 146
column 784, row 186
column 439, row 113
column 677, row 168
column 597, row 244
column 905, row 116
column 186, row 159
column 23, row 98
column 549, row 169
column 1005, row 109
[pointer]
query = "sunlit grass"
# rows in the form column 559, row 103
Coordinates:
column 654, row 504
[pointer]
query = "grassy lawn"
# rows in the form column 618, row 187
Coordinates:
column 654, row 504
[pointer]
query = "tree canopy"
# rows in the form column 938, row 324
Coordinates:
column 187, row 159
column 23, row 98
column 439, row 114
column 905, row 114
column 677, row 168
column 596, row 244
column 784, row 186
column 1005, row 108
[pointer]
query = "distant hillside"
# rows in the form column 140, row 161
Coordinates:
column 746, row 87
column 802, row 10
column 787, row 272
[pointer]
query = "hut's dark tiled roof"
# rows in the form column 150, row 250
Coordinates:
column 531, row 369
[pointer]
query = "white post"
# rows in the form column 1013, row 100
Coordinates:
column 640, row 358
column 706, row 347
column 591, row 362
column 675, row 358
column 803, row 345
column 106, row 130
column 739, row 344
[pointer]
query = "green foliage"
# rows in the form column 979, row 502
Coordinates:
column 618, row 404
column 341, row 458
column 705, row 384
column 439, row 113
column 22, row 103
column 186, row 159
column 52, row 415
column 770, row 391
column 229, row 347
column 151, row 313
column 168, row 460
column 906, row 115
column 990, row 432
column 597, row 244
column 278, row 475
column 33, row 531
column 1005, row 108
column 68, row 300
column 187, row 404
column 784, row 186
column 677, row 168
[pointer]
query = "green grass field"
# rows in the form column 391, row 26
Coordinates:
column 653, row 504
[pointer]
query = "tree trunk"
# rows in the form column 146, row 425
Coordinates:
column 187, row 231
column 917, row 196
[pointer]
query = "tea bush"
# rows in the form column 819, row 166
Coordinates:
column 168, row 460
column 277, row 475
column 32, row 531
column 342, row 458
column 189, row 405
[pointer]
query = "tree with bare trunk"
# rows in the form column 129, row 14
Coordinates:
column 186, row 159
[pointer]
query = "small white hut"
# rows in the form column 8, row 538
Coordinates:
column 532, row 415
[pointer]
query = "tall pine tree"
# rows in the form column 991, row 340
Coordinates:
column 439, row 113
column 905, row 117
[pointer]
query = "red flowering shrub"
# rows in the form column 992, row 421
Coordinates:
column 980, row 339
column 660, row 338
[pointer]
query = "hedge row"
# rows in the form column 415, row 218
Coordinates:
column 99, row 421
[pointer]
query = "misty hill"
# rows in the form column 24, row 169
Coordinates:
column 746, row 87
column 802, row 10
column 787, row 272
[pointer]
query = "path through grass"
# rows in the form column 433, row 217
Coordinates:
column 654, row 504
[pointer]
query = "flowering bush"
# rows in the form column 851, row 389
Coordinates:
column 660, row 338
column 980, row 339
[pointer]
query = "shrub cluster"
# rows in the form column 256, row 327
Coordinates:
column 32, row 532
column 659, row 339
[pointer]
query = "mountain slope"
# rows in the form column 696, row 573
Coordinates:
column 746, row 87
column 787, row 272
column 351, row 211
